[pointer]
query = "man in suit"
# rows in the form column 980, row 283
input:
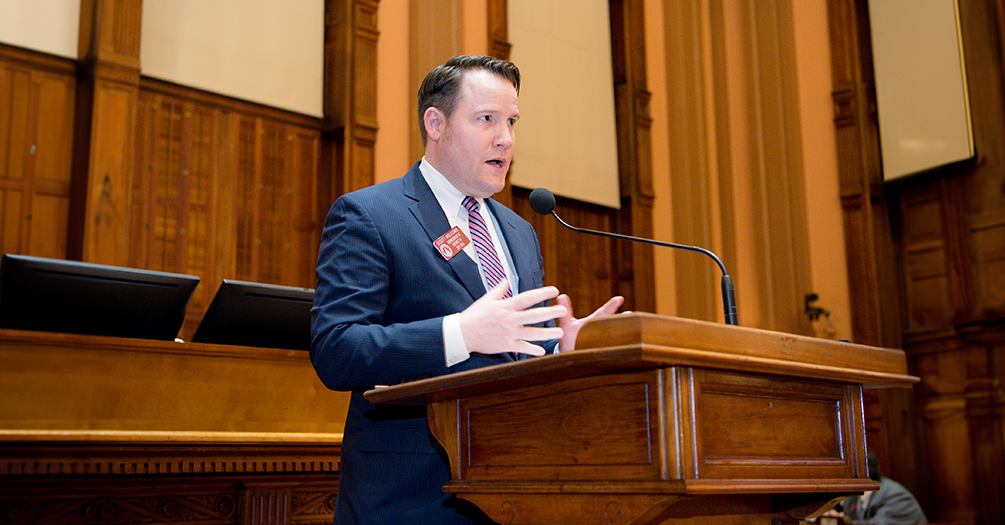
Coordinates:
column 423, row 276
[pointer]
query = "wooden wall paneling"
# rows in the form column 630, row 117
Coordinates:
column 982, row 195
column 579, row 264
column 12, row 106
column 36, row 137
column 105, row 124
column 50, row 163
column 304, row 155
column 498, row 27
column 277, row 236
column 635, row 274
column 172, row 198
column 946, row 228
column 922, row 225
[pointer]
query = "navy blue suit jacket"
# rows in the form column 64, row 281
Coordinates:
column 382, row 292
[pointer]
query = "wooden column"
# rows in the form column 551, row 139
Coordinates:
column 633, row 261
column 349, row 127
column 869, row 251
column 107, row 94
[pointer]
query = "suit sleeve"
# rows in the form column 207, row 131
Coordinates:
column 351, row 347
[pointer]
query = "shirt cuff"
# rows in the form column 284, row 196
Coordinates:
column 454, row 349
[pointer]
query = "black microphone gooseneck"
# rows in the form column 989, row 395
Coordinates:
column 543, row 201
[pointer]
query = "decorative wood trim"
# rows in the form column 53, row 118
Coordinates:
column 168, row 456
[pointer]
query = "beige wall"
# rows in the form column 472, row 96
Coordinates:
column 258, row 50
column 49, row 26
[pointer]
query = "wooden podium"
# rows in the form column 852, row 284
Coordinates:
column 656, row 419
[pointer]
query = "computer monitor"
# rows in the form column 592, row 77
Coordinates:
column 55, row 295
column 255, row 314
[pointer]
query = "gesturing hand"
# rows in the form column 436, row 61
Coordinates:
column 493, row 325
column 571, row 326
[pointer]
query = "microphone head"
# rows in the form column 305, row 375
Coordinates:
column 542, row 201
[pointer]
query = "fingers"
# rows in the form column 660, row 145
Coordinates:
column 496, row 292
column 610, row 307
column 539, row 315
column 566, row 301
column 536, row 333
column 523, row 347
column 529, row 298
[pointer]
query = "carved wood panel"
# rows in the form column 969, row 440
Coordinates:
column 36, row 137
column 294, row 499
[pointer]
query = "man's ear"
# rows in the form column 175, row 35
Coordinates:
column 435, row 122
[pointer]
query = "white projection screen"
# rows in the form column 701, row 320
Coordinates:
column 921, row 89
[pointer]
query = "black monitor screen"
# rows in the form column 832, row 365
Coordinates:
column 54, row 295
column 254, row 314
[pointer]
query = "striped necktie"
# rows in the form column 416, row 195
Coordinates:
column 491, row 265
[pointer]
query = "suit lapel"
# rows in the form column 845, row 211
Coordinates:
column 430, row 215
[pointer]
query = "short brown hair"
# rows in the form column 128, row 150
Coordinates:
column 439, row 88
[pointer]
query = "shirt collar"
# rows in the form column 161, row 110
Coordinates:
column 446, row 194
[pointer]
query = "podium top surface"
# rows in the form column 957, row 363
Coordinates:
column 643, row 341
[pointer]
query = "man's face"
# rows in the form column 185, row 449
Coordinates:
column 475, row 147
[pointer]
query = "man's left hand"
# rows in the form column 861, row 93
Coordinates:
column 571, row 326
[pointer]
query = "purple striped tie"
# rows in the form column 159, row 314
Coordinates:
column 491, row 265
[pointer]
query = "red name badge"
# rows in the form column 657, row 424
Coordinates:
column 451, row 243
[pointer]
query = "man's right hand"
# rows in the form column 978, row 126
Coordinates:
column 493, row 325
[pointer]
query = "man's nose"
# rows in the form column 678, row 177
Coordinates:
column 506, row 137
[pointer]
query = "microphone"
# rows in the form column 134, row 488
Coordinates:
column 543, row 201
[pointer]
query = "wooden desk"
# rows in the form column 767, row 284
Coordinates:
column 655, row 419
column 111, row 430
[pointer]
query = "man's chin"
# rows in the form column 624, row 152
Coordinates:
column 492, row 184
